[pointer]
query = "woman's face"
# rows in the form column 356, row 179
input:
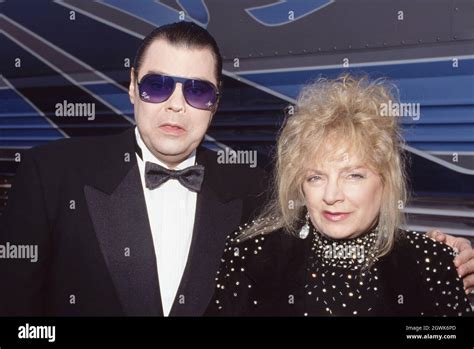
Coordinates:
column 343, row 196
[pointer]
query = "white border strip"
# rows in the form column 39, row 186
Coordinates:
column 452, row 231
column 440, row 212
column 258, row 86
column 356, row 65
column 216, row 142
column 439, row 161
column 450, row 153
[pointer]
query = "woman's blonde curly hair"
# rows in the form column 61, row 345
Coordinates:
column 346, row 112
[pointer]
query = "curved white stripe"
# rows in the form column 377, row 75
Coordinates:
column 407, row 147
column 439, row 161
column 467, row 213
column 216, row 142
column 260, row 87
column 248, row 10
column 445, row 229
column 56, row 127
column 357, row 65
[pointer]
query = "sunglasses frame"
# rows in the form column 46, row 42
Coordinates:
column 181, row 80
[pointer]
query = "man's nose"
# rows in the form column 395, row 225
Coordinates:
column 177, row 102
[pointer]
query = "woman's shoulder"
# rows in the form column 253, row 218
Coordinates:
column 276, row 247
column 248, row 244
column 252, row 268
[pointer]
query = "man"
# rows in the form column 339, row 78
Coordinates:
column 112, row 240
column 132, row 224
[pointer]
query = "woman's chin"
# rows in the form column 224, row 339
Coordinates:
column 340, row 232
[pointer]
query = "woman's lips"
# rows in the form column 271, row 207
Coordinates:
column 335, row 216
column 172, row 129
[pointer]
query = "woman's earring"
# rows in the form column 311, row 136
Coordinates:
column 305, row 228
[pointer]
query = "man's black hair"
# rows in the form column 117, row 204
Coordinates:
column 183, row 33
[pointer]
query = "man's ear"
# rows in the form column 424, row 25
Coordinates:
column 131, row 87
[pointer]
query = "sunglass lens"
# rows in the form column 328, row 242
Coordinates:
column 199, row 94
column 156, row 88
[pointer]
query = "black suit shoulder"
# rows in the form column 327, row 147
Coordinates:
column 84, row 151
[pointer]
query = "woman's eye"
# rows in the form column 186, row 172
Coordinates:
column 356, row 176
column 314, row 178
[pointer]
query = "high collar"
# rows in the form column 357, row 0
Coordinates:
column 353, row 253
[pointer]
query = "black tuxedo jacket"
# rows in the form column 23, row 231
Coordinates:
column 81, row 202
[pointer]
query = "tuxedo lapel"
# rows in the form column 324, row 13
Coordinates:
column 117, row 208
column 118, row 211
column 216, row 217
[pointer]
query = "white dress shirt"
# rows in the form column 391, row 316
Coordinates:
column 171, row 208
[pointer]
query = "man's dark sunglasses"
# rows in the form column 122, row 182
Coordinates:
column 157, row 88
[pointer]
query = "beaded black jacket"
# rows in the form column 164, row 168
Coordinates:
column 279, row 274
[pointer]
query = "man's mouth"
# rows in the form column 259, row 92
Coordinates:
column 172, row 129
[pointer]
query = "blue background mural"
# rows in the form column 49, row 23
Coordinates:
column 81, row 51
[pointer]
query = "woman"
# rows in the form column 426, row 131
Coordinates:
column 329, row 242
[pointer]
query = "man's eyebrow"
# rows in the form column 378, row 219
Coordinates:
column 155, row 72
column 162, row 73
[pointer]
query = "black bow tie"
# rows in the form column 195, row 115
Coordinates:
column 191, row 177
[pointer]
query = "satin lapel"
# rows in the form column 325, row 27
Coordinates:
column 216, row 217
column 214, row 221
column 118, row 212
